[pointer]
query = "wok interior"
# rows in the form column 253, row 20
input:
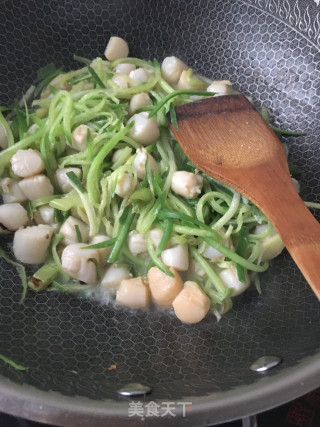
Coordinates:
column 68, row 343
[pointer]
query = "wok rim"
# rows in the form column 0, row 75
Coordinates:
column 26, row 401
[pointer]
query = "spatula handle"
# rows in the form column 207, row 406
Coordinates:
column 228, row 139
column 298, row 228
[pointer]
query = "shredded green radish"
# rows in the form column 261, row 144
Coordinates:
column 21, row 270
column 80, row 124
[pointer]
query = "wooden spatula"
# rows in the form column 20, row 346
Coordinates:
column 226, row 138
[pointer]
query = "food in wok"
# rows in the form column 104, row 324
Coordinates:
column 98, row 192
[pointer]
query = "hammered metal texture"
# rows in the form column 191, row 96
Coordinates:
column 68, row 343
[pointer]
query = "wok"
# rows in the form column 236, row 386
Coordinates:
column 268, row 49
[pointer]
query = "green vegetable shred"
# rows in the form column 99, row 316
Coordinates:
column 134, row 192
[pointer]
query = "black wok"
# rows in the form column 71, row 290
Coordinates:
column 267, row 48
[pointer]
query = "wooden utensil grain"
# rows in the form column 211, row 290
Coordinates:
column 227, row 139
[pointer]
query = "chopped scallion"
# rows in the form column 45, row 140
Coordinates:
column 76, row 181
column 155, row 259
column 241, row 250
column 42, row 278
column 175, row 93
column 82, row 59
column 78, row 233
column 120, row 241
column 12, row 363
column 168, row 226
column 286, row 132
column 166, row 214
column 96, row 78
column 173, row 116
column 105, row 244
column 98, row 268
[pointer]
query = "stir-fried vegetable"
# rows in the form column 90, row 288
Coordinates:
column 103, row 195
